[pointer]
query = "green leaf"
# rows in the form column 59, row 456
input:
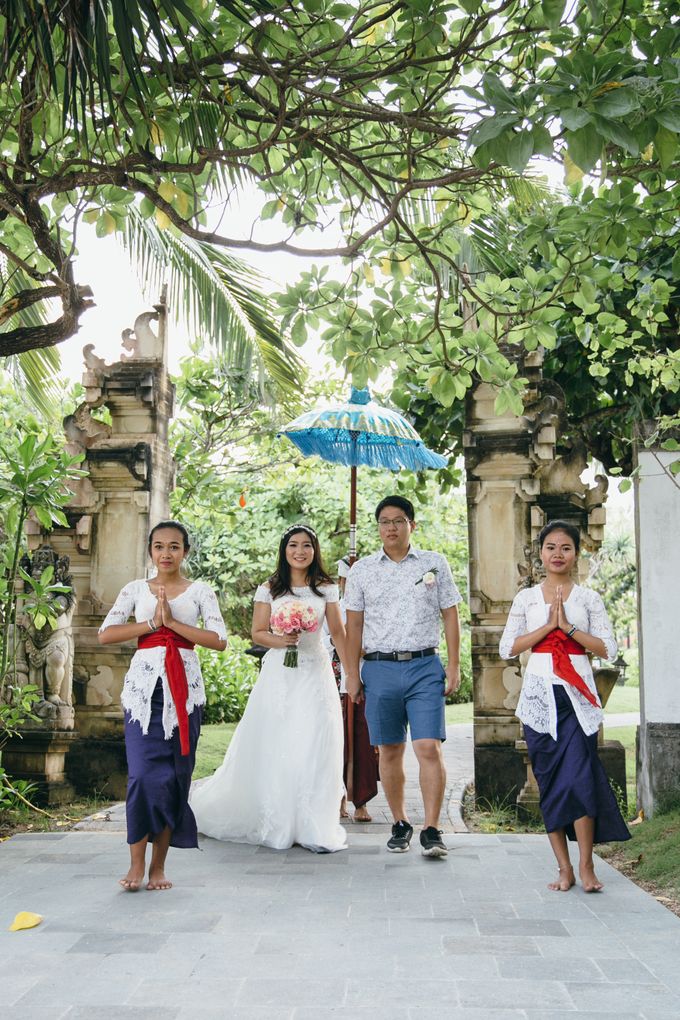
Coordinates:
column 491, row 128
column 616, row 103
column 666, row 145
column 519, row 150
column 47, row 575
column 43, row 516
column 553, row 11
column 618, row 133
column 585, row 147
column 669, row 117
column 575, row 117
column 625, row 485
column 543, row 142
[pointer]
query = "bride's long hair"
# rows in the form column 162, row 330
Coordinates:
column 279, row 582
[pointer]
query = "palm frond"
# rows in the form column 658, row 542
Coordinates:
column 218, row 297
column 79, row 44
column 35, row 376
column 34, row 372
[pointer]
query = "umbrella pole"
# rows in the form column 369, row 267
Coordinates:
column 349, row 779
column 353, row 515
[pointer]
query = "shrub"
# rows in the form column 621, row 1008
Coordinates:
column 229, row 677
column 464, row 692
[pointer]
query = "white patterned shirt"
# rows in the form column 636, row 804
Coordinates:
column 536, row 707
column 197, row 602
column 401, row 610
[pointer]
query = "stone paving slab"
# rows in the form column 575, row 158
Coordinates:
column 254, row 933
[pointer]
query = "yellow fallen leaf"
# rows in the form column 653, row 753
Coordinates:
column 25, row 919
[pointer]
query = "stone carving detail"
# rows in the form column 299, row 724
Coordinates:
column 100, row 687
column 84, row 430
column 48, row 652
column 141, row 342
column 512, row 681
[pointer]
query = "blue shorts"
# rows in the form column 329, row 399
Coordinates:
column 398, row 693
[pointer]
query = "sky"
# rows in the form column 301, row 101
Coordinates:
column 104, row 265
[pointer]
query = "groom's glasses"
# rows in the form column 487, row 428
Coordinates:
column 398, row 522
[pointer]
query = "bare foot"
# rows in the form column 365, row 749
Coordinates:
column 565, row 881
column 157, row 880
column 362, row 815
column 132, row 881
column 589, row 879
column 344, row 813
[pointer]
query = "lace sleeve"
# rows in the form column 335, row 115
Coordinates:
column 123, row 608
column 600, row 626
column 263, row 594
column 331, row 593
column 515, row 626
column 210, row 612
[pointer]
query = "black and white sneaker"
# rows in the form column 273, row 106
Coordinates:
column 432, row 843
column 398, row 843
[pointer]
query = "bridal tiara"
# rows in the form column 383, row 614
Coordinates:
column 299, row 527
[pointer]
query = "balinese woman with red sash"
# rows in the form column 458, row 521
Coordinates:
column 162, row 696
column 562, row 624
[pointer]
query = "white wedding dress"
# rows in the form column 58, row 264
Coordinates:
column 281, row 779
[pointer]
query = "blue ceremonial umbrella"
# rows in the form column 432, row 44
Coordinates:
column 360, row 431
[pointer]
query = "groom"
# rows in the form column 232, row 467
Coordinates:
column 394, row 600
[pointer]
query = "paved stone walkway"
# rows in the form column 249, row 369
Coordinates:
column 249, row 933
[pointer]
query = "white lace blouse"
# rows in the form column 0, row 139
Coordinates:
column 528, row 612
column 197, row 602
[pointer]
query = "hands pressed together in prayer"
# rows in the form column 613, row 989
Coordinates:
column 163, row 616
column 557, row 617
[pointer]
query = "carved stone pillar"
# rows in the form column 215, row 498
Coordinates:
column 44, row 658
column 126, row 489
column 516, row 481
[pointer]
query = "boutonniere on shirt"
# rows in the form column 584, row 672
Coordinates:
column 428, row 578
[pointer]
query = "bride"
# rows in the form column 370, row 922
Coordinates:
column 281, row 779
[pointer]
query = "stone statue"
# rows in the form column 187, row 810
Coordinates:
column 49, row 652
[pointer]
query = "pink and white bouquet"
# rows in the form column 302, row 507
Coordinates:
column 293, row 618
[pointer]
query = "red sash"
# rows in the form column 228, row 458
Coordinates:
column 177, row 677
column 560, row 647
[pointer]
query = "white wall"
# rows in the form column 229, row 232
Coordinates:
column 657, row 512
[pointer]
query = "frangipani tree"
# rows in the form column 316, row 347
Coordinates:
column 375, row 132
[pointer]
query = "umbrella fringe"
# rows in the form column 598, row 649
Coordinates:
column 390, row 452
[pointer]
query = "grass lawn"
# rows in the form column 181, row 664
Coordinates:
column 652, row 857
column 212, row 747
column 459, row 713
column 624, row 699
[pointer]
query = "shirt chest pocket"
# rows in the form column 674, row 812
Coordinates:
column 426, row 598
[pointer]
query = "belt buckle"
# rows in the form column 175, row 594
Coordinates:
column 404, row 656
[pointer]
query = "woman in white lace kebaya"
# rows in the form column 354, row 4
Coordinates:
column 162, row 697
column 281, row 780
column 562, row 623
